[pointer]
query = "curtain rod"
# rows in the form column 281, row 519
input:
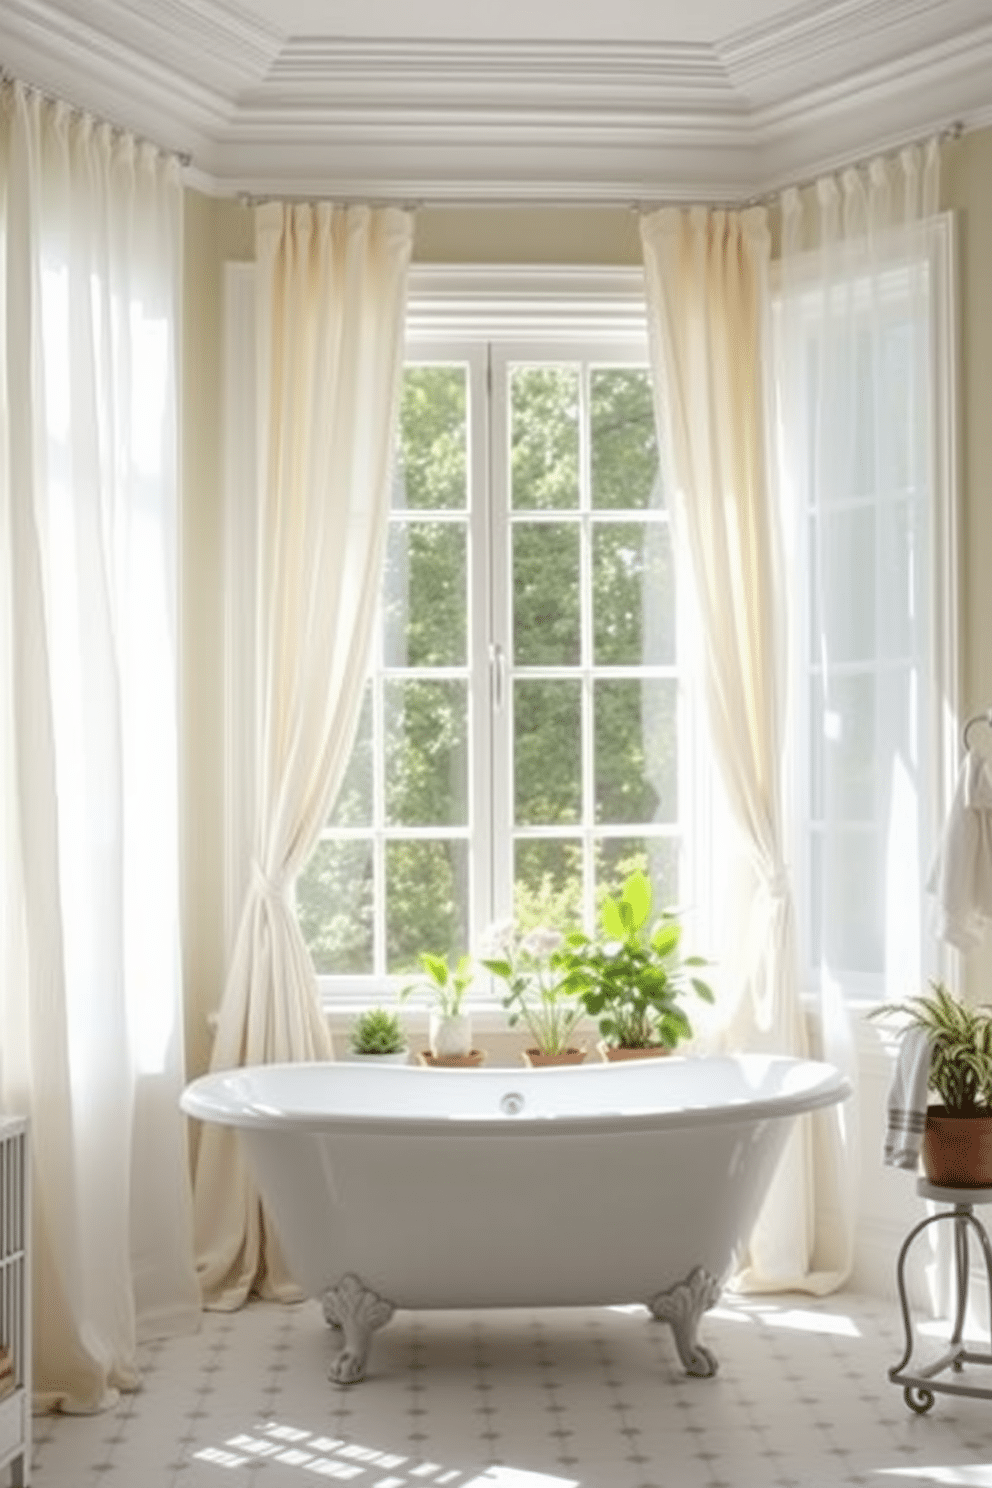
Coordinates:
column 183, row 157
column 951, row 131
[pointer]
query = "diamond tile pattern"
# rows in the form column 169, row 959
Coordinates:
column 583, row 1398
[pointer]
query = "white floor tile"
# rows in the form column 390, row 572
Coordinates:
column 586, row 1398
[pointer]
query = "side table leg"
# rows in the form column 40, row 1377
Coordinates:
column 903, row 1299
column 962, row 1213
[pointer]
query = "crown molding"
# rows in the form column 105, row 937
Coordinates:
column 264, row 113
column 503, row 71
column 814, row 45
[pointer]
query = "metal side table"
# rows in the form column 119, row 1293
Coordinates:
column 919, row 1385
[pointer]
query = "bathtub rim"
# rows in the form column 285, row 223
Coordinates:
column 202, row 1099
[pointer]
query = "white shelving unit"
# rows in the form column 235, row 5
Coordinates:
column 15, row 1302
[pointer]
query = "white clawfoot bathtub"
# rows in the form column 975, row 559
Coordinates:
column 600, row 1184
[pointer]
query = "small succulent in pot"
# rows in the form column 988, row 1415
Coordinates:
column 377, row 1032
column 450, row 1033
column 534, row 968
column 632, row 976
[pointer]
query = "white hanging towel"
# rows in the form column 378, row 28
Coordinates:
column 906, row 1113
column 961, row 875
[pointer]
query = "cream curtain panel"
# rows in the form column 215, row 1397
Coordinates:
column 707, row 286
column 330, row 309
column 90, row 994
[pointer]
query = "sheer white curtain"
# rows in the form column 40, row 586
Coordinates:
column 854, row 358
column 330, row 308
column 707, row 285
column 90, row 992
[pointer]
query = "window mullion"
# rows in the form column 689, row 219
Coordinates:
column 501, row 814
column 586, row 652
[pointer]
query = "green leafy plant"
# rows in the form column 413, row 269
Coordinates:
column 960, row 1047
column 443, row 985
column 632, row 976
column 535, row 969
column 377, row 1031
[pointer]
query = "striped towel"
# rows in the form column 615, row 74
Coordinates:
column 907, row 1104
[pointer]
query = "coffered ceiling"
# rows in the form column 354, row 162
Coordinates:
column 523, row 100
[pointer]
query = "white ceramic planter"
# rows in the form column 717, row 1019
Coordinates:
column 450, row 1036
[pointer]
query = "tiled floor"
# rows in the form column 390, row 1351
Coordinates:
column 591, row 1398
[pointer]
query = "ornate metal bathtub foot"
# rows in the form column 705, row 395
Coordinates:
column 682, row 1306
column 357, row 1311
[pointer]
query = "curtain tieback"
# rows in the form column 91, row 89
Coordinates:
column 266, row 887
column 777, row 882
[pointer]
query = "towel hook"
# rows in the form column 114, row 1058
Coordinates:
column 985, row 717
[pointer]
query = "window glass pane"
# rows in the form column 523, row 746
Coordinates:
column 843, row 576
column 427, row 897
column 426, row 753
column 334, row 902
column 425, row 595
column 843, row 747
column 633, row 594
column 547, row 737
column 546, row 603
column 624, row 450
column 353, row 807
column 904, row 394
column 843, row 448
column 547, row 888
column 431, row 463
column 544, row 438
column 847, row 881
column 636, row 751
column 900, row 584
column 618, row 857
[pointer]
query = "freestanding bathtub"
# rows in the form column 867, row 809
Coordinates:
column 598, row 1184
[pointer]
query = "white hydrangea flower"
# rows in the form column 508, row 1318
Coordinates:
column 498, row 940
column 541, row 943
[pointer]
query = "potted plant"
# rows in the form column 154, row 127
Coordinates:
column 537, row 992
column 632, row 977
column 957, row 1138
column 450, row 1027
column 377, row 1033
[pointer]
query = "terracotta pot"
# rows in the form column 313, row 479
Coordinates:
column 538, row 1060
column 614, row 1053
column 957, row 1150
column 471, row 1060
column 351, row 1056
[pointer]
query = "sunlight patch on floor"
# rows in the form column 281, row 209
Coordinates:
column 334, row 1458
column 974, row 1475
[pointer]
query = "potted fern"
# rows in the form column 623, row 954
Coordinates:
column 377, row 1033
column 632, row 977
column 957, row 1139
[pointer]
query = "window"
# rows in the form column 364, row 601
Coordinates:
column 520, row 744
column 868, row 477
column 531, row 730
